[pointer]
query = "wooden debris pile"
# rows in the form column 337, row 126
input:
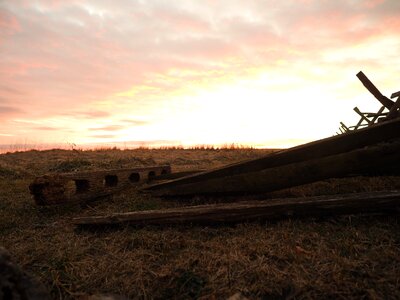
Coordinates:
column 371, row 148
column 367, row 150
column 388, row 111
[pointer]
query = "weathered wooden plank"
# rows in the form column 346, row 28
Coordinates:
column 317, row 149
column 374, row 91
column 82, row 186
column 289, row 175
column 256, row 210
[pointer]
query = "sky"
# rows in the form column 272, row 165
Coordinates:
column 262, row 73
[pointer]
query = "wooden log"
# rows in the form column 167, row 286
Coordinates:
column 374, row 91
column 83, row 186
column 256, row 210
column 289, row 175
column 317, row 149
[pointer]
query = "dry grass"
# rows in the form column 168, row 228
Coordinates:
column 342, row 257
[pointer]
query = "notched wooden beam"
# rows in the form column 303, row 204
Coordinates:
column 83, row 186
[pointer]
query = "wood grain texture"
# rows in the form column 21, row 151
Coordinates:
column 256, row 210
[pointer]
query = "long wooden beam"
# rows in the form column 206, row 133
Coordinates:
column 271, row 179
column 249, row 211
column 374, row 91
column 83, row 186
column 317, row 149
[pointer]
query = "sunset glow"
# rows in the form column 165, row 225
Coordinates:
column 261, row 73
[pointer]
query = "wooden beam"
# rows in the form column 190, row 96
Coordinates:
column 395, row 95
column 84, row 186
column 275, row 178
column 345, row 128
column 374, row 91
column 317, row 149
column 363, row 117
column 378, row 114
column 256, row 210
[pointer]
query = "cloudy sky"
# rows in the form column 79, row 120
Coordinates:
column 268, row 73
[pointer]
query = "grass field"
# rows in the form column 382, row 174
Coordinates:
column 342, row 257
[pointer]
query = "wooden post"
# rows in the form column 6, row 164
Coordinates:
column 275, row 178
column 374, row 91
column 256, row 210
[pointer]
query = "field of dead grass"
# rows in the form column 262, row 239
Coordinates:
column 338, row 257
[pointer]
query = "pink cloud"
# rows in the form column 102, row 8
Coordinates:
column 108, row 128
column 9, row 111
column 8, row 23
column 60, row 57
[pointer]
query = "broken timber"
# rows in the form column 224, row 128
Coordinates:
column 318, row 160
column 374, row 91
column 369, row 119
column 258, row 210
column 83, row 186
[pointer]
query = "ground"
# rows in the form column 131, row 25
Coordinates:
column 352, row 256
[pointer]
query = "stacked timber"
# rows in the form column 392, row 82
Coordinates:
column 363, row 151
column 369, row 119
